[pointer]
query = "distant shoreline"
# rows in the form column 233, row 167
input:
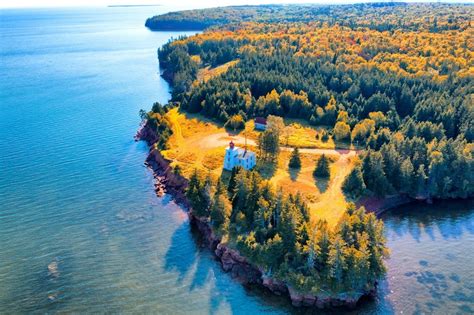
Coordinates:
column 133, row 5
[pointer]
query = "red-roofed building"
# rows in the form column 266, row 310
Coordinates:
column 260, row 123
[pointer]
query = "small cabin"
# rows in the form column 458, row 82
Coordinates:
column 235, row 156
column 260, row 123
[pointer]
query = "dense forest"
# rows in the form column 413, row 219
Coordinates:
column 405, row 95
column 386, row 16
column 273, row 230
column 394, row 79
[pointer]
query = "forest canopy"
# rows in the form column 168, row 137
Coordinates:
column 404, row 93
column 387, row 16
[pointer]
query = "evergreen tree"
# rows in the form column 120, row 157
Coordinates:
column 323, row 240
column 262, row 216
column 375, row 245
column 274, row 251
column 288, row 225
column 420, row 181
column 269, row 144
column 231, row 185
column 197, row 196
column 324, row 136
column 406, row 176
column 220, row 208
column 354, row 183
column 177, row 170
column 312, row 249
column 374, row 174
column 336, row 260
column 295, row 160
column 322, row 167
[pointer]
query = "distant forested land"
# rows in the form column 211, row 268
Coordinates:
column 377, row 16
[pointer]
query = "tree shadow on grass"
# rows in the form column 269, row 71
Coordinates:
column 267, row 169
column 322, row 183
column 294, row 172
column 233, row 132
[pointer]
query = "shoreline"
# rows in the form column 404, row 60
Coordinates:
column 166, row 181
column 380, row 205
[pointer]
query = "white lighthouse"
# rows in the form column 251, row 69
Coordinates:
column 235, row 156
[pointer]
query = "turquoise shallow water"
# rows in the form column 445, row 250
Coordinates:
column 81, row 229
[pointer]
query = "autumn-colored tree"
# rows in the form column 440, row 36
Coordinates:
column 342, row 131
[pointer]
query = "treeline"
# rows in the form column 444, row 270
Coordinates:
column 273, row 230
column 179, row 69
column 377, row 16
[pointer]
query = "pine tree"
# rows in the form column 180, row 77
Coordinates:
column 420, row 181
column 269, row 144
column 197, row 196
column 406, row 176
column 220, row 208
column 295, row 160
column 242, row 191
column 324, row 136
column 322, row 167
column 312, row 249
column 232, row 183
column 354, row 183
column 375, row 245
column 336, row 260
column 374, row 174
column 262, row 214
column 274, row 251
column 323, row 239
column 288, row 225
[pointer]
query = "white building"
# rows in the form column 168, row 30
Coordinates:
column 235, row 156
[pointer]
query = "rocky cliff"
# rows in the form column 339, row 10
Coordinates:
column 230, row 259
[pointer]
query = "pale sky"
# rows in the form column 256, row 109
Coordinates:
column 190, row 3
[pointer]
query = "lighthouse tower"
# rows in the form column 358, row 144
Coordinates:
column 231, row 155
column 235, row 156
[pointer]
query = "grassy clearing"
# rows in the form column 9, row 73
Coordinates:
column 188, row 131
column 298, row 133
column 325, row 197
column 332, row 203
column 207, row 73
column 200, row 143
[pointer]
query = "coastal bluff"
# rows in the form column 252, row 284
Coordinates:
column 230, row 259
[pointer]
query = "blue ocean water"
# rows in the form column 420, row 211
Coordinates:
column 75, row 195
column 81, row 229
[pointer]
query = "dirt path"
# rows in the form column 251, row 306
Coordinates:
column 223, row 138
column 176, row 127
column 332, row 202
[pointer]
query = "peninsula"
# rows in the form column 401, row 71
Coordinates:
column 341, row 106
